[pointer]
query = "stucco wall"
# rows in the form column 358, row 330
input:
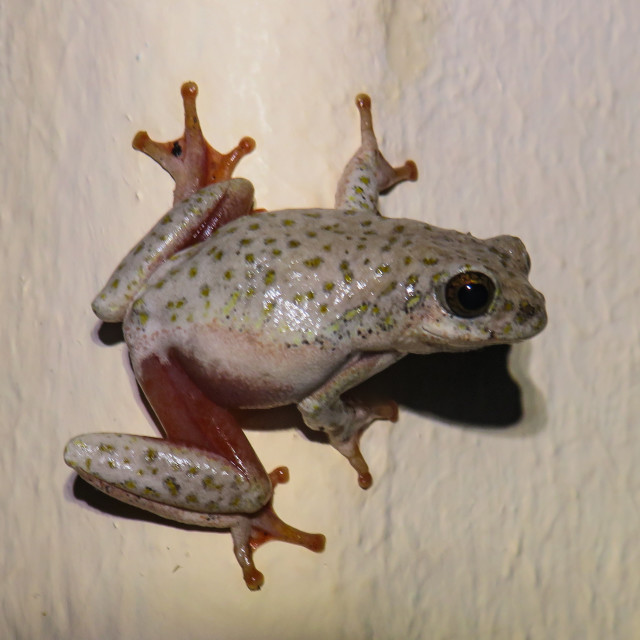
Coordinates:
column 521, row 116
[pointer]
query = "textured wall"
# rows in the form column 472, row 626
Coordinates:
column 522, row 118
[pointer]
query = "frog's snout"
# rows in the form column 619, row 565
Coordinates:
column 533, row 311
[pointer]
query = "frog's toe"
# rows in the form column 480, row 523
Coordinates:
column 366, row 411
column 253, row 578
column 350, row 449
column 190, row 160
column 252, row 531
column 241, row 534
column 268, row 526
column 280, row 475
column 385, row 410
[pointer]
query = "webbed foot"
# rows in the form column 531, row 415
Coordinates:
column 387, row 175
column 350, row 447
column 190, row 160
column 253, row 531
column 368, row 174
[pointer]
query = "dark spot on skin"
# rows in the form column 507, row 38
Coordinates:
column 177, row 149
column 527, row 310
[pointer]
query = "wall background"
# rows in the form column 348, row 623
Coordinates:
column 522, row 117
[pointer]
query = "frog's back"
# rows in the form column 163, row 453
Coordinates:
column 300, row 275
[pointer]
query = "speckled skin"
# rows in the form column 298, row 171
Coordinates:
column 283, row 307
column 162, row 243
column 174, row 475
column 322, row 285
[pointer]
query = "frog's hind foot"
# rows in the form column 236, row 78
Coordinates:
column 254, row 530
column 190, row 160
column 368, row 174
column 189, row 486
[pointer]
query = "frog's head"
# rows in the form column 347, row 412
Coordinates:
column 479, row 295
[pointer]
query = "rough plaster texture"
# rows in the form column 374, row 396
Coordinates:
column 522, row 117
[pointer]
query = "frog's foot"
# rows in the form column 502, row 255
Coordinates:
column 190, row 486
column 190, row 160
column 387, row 175
column 349, row 446
column 368, row 173
column 345, row 421
column 252, row 531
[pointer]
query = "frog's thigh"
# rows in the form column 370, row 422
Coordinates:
column 189, row 418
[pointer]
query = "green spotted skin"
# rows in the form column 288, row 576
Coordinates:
column 293, row 276
column 343, row 280
column 157, row 470
column 357, row 191
column 159, row 244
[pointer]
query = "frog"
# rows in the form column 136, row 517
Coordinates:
column 226, row 307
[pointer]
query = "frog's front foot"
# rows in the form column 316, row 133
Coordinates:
column 368, row 174
column 387, row 176
column 345, row 422
column 350, row 447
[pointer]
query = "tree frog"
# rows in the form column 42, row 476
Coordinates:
column 225, row 307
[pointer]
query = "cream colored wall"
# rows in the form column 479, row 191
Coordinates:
column 522, row 117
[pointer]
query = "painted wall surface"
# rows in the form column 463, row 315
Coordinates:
column 522, row 117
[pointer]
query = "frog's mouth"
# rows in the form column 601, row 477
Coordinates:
column 458, row 335
column 443, row 342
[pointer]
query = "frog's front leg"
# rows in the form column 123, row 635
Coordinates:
column 345, row 421
column 368, row 174
column 205, row 473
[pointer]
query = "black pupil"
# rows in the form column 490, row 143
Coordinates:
column 473, row 296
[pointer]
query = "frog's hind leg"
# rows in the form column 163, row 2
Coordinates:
column 205, row 473
column 368, row 174
column 100, row 459
column 188, row 223
column 190, row 160
column 189, row 417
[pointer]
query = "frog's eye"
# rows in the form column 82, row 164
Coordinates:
column 469, row 294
